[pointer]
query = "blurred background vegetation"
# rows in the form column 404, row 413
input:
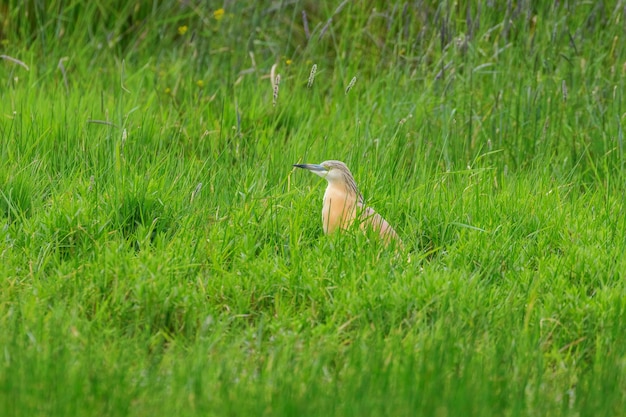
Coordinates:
column 568, row 58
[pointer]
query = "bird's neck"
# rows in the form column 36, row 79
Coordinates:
column 341, row 189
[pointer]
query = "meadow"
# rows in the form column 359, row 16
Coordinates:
column 159, row 255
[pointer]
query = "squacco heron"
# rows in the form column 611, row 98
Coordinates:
column 343, row 203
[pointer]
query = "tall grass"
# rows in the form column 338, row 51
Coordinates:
column 160, row 255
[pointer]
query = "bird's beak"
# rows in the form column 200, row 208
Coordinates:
column 312, row 167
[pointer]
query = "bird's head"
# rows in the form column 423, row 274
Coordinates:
column 332, row 171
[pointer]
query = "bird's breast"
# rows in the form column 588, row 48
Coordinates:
column 339, row 209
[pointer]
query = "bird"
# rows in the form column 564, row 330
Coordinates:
column 344, row 204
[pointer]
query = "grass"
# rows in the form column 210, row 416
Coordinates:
column 161, row 256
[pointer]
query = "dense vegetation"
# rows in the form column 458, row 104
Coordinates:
column 160, row 256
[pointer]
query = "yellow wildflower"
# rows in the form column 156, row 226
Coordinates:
column 288, row 61
column 200, row 83
column 167, row 90
column 218, row 14
column 182, row 30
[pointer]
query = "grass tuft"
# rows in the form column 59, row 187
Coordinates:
column 140, row 213
column 16, row 198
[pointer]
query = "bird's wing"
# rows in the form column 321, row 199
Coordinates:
column 369, row 218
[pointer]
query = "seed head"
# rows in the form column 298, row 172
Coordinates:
column 276, row 84
column 312, row 76
column 352, row 82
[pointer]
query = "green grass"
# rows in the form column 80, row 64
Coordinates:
column 160, row 255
